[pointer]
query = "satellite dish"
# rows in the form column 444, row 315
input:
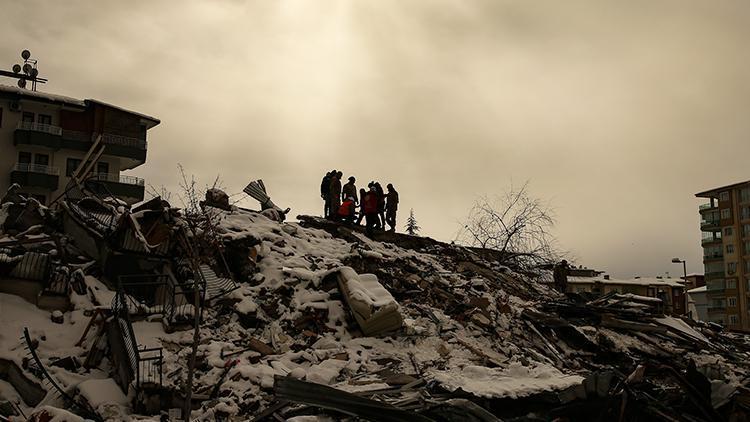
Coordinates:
column 22, row 83
column 16, row 68
column 25, row 54
column 27, row 68
column 34, row 72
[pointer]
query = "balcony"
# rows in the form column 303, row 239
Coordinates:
column 703, row 207
column 710, row 225
column 707, row 240
column 35, row 175
column 30, row 133
column 129, row 188
column 116, row 145
column 714, row 274
column 716, row 309
column 713, row 256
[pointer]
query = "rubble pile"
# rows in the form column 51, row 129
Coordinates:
column 325, row 323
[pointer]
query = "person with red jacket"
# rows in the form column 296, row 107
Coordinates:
column 346, row 210
column 370, row 202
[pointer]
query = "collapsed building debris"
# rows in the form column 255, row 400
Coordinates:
column 316, row 319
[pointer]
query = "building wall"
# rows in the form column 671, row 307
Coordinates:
column 727, row 295
column 114, row 121
column 673, row 298
column 698, row 306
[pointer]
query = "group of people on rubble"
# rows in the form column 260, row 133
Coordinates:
column 376, row 206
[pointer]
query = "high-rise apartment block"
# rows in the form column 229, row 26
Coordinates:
column 725, row 227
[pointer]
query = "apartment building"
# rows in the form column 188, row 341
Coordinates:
column 725, row 228
column 44, row 137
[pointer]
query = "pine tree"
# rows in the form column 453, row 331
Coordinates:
column 411, row 224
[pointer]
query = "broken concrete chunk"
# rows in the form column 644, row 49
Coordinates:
column 57, row 317
column 217, row 198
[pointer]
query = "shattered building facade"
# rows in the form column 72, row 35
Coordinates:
column 670, row 291
column 44, row 137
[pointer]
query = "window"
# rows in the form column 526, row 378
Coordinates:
column 71, row 166
column 730, row 249
column 731, row 268
column 732, row 302
column 24, row 157
column 727, row 231
column 1, row 117
column 41, row 159
column 744, row 212
column 747, row 267
column 733, row 319
column 724, row 196
column 102, row 168
column 745, row 195
column 44, row 119
column 746, row 229
column 27, row 117
column 747, row 247
column 726, row 213
column 731, row 283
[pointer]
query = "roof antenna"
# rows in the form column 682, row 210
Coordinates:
column 30, row 72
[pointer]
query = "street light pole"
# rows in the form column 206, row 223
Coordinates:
column 684, row 271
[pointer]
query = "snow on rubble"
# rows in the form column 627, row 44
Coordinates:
column 408, row 323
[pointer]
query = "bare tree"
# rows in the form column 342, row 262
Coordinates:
column 203, row 238
column 515, row 224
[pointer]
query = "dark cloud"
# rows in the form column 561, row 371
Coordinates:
column 618, row 112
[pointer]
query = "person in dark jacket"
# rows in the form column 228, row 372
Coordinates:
column 560, row 276
column 350, row 190
column 362, row 193
column 391, row 207
column 325, row 187
column 334, row 194
column 381, row 205
column 370, row 201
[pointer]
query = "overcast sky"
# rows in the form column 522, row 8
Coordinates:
column 616, row 112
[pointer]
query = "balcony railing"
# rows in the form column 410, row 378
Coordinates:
column 40, row 127
column 702, row 207
column 107, row 138
column 710, row 240
column 125, row 141
column 714, row 286
column 711, row 274
column 713, row 309
column 118, row 178
column 36, row 168
column 715, row 255
column 710, row 223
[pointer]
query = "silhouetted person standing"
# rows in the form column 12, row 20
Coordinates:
column 362, row 193
column 381, row 205
column 560, row 276
column 350, row 190
column 391, row 207
column 325, row 189
column 370, row 202
column 334, row 194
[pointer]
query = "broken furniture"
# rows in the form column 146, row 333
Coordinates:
column 374, row 308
